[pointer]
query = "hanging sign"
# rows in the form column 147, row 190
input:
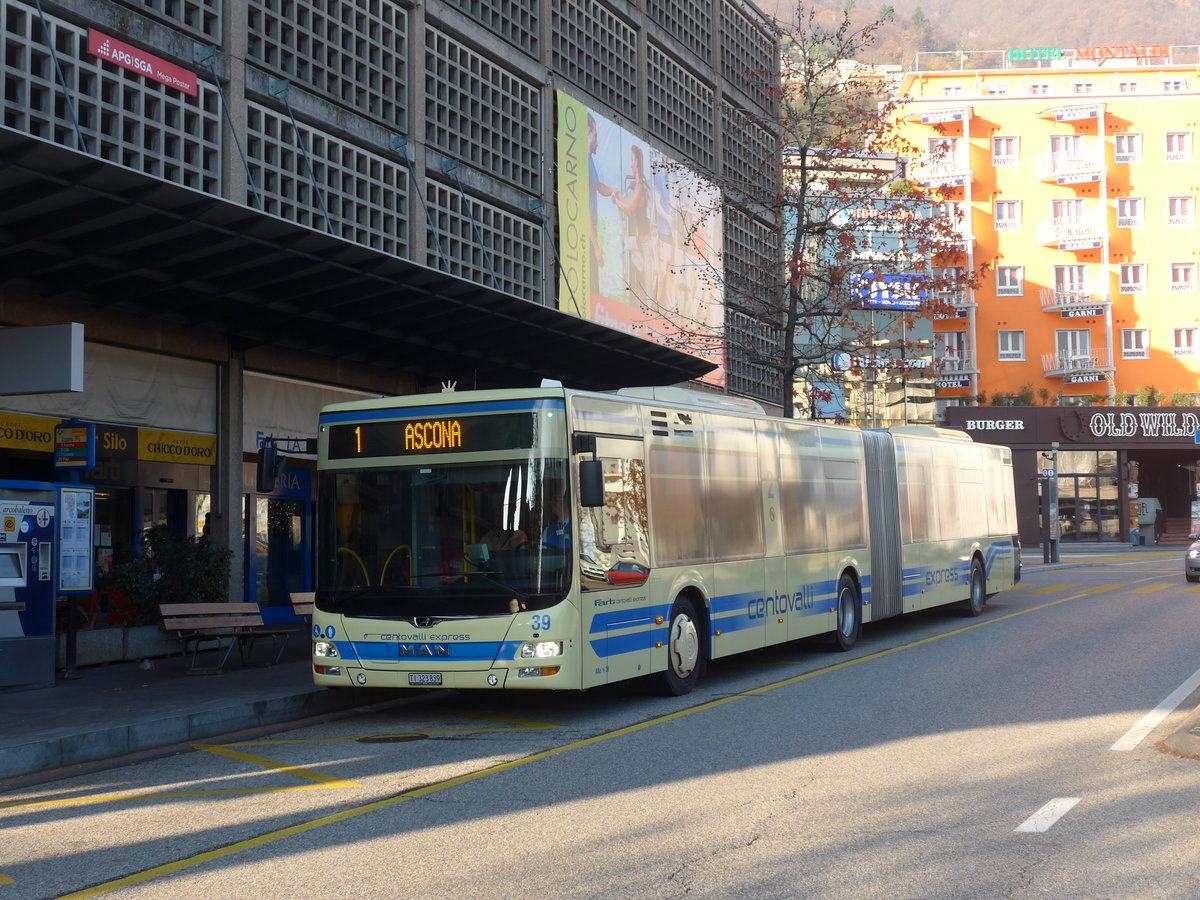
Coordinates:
column 75, row 446
column 129, row 57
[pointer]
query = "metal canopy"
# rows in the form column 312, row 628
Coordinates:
column 78, row 228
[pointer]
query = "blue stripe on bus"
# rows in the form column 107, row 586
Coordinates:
column 389, row 651
column 998, row 553
column 447, row 409
column 619, row 644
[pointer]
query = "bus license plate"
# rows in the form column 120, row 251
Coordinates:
column 425, row 678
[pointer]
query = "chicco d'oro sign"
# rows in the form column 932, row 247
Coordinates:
column 130, row 57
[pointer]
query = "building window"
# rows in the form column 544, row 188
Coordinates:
column 1180, row 210
column 1071, row 284
column 1006, row 215
column 942, row 149
column 1183, row 278
column 996, row 89
column 951, row 351
column 1129, row 212
column 1084, row 87
column 1012, row 345
column 1073, row 349
column 1179, row 146
column 1039, row 88
column 1125, row 86
column 1174, row 84
column 1129, row 147
column 1135, row 343
column 1133, row 278
column 1010, row 281
column 952, row 90
column 1006, row 151
column 1186, row 341
column 1067, row 146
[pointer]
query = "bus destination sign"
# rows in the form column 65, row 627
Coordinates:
column 413, row 437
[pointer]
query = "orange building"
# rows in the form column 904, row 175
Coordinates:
column 1077, row 179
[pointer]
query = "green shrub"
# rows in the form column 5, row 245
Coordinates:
column 172, row 568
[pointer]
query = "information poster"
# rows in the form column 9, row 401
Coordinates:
column 75, row 521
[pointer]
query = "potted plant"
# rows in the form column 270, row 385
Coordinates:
column 170, row 568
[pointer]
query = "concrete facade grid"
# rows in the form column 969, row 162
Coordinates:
column 123, row 117
column 461, row 131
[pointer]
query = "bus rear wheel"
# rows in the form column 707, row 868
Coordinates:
column 849, row 615
column 685, row 658
column 973, row 605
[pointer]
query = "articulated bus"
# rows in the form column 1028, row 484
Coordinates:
column 559, row 539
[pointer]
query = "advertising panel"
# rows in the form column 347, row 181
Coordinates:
column 640, row 237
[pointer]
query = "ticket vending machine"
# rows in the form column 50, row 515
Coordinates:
column 28, row 587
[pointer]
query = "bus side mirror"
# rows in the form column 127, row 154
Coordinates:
column 591, row 483
column 268, row 467
column 591, row 471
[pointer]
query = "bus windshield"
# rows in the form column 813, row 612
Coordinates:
column 445, row 541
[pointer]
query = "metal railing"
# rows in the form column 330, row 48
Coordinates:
column 1054, row 300
column 1094, row 359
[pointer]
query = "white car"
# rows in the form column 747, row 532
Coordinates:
column 1191, row 562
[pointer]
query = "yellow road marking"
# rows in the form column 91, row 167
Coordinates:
column 4, row 879
column 298, row 771
column 355, row 811
column 322, row 781
column 380, row 737
column 162, row 795
column 524, row 723
column 1151, row 588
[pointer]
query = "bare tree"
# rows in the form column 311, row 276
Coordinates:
column 851, row 228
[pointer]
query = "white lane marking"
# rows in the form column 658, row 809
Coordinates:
column 1044, row 818
column 1151, row 720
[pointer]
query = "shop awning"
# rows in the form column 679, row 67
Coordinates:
column 77, row 228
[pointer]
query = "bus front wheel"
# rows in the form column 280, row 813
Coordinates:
column 849, row 615
column 973, row 605
column 685, row 658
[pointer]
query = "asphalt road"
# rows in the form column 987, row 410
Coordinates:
column 1001, row 757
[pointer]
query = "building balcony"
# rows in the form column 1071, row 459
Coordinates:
column 1078, row 367
column 951, row 303
column 1073, row 232
column 1070, row 168
column 956, row 364
column 953, row 171
column 1074, row 304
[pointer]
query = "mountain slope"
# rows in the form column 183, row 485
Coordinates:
column 957, row 25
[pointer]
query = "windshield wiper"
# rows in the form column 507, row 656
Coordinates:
column 484, row 575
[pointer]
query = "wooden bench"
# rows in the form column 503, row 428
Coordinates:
column 302, row 604
column 220, row 627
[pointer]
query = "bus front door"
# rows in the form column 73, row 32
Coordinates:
column 614, row 568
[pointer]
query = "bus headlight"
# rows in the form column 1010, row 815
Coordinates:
column 325, row 648
column 540, row 649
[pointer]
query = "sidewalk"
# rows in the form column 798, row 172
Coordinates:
column 116, row 709
column 1081, row 554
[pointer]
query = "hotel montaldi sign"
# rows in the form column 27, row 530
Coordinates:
column 1099, row 54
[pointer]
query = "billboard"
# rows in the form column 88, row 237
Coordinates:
column 640, row 237
column 873, row 290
